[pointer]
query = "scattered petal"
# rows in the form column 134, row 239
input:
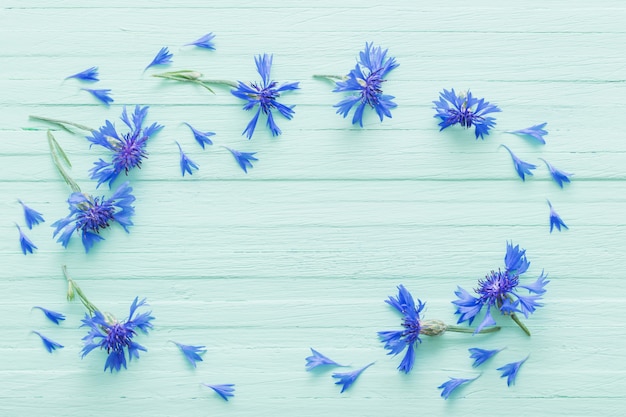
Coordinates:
column 348, row 378
column 201, row 137
column 192, row 353
column 480, row 356
column 90, row 74
column 31, row 216
column 26, row 244
column 204, row 42
column 449, row 386
column 162, row 57
column 555, row 219
column 557, row 175
column 103, row 95
column 53, row 316
column 317, row 359
column 223, row 390
column 49, row 344
column 243, row 158
column 510, row 370
column 186, row 164
column 522, row 168
column 536, row 131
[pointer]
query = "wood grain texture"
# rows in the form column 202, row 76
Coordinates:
column 302, row 251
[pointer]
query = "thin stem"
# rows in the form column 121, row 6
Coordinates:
column 460, row 329
column 57, row 152
column 331, row 78
column 520, row 324
column 61, row 123
column 73, row 288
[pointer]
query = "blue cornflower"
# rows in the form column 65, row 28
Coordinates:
column 48, row 343
column 498, row 290
column 264, row 95
column 103, row 95
column 449, row 386
column 244, row 159
column 90, row 74
column 367, row 79
column 53, row 316
column 32, row 217
column 186, row 164
column 162, row 57
column 25, row 243
column 510, row 370
column 465, row 110
column 317, row 359
column 348, row 378
column 128, row 149
column 555, row 219
column 201, row 137
column 536, row 131
column 204, row 41
column 223, row 390
column 480, row 356
column 522, row 168
column 89, row 215
column 116, row 337
column 192, row 353
column 557, row 175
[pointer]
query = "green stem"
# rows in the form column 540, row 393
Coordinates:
column 331, row 78
column 73, row 288
column 194, row 77
column 57, row 154
column 520, row 324
column 61, row 123
column 460, row 329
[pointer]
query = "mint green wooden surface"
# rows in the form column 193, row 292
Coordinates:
column 302, row 251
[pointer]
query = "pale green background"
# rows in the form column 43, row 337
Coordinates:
column 302, row 251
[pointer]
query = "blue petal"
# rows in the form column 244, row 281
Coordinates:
column 49, row 344
column 510, row 370
column 521, row 167
column 103, row 95
column 537, row 132
column 537, row 286
column 31, row 216
column 201, row 137
column 25, row 243
column 223, row 390
column 450, row 386
column 192, row 353
column 243, row 158
column 90, row 74
column 346, row 379
column 53, row 316
column 317, row 359
column 555, row 219
column 558, row 176
column 162, row 57
column 204, row 41
column 515, row 259
column 480, row 356
column 186, row 164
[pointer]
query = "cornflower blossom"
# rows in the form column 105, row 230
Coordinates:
column 466, row 110
column 346, row 379
column 201, row 137
column 265, row 96
column 116, row 337
column 450, row 386
column 555, row 219
column 25, row 243
column 53, row 316
column 223, row 390
column 499, row 291
column 396, row 341
column 103, row 95
column 366, row 80
column 557, row 175
column 537, row 132
column 90, row 74
column 510, row 371
column 186, row 164
column 244, row 159
column 204, row 41
column 521, row 167
column 317, row 359
column 129, row 149
column 48, row 343
column 480, row 356
column 162, row 57
column 89, row 215
column 192, row 353
column 32, row 217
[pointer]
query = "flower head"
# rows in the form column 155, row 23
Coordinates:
column 510, row 370
column 116, row 337
column 204, row 41
column 348, row 378
column 466, row 110
column 499, row 291
column 53, row 316
column 89, row 215
column 186, row 164
column 128, row 148
column 522, row 168
column 244, row 159
column 25, row 243
column 90, row 74
column 557, row 175
column 480, row 356
column 537, row 132
column 223, row 390
column 32, row 217
column 48, row 343
column 264, row 95
column 103, row 95
column 317, row 359
column 192, row 353
column 449, row 386
column 555, row 219
column 162, row 57
column 201, row 137
column 366, row 79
